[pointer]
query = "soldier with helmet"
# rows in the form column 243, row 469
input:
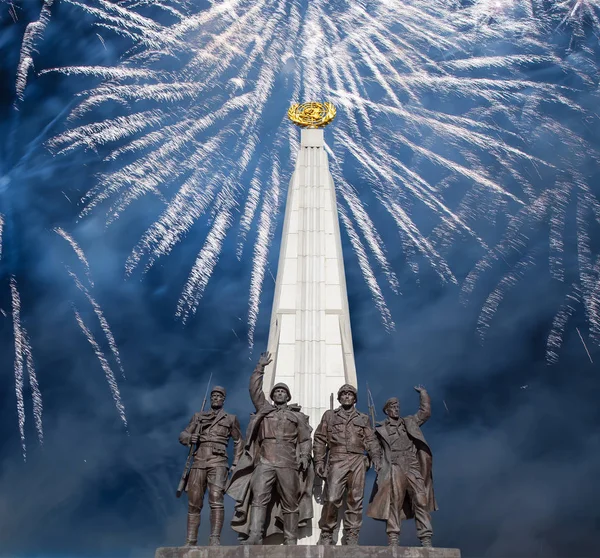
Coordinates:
column 272, row 484
column 347, row 436
column 210, row 431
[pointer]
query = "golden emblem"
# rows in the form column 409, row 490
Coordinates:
column 312, row 115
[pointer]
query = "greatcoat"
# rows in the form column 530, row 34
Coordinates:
column 238, row 486
column 380, row 501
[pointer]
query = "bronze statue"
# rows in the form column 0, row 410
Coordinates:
column 209, row 432
column 404, row 485
column 272, row 484
column 346, row 434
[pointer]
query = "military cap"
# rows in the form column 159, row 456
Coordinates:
column 282, row 386
column 347, row 387
column 219, row 389
column 389, row 402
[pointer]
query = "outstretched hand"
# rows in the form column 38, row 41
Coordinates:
column 420, row 388
column 265, row 359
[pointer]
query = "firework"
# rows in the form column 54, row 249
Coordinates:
column 438, row 107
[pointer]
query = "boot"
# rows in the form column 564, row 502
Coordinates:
column 393, row 539
column 290, row 528
column 216, row 525
column 325, row 539
column 426, row 542
column 351, row 537
column 257, row 523
column 193, row 522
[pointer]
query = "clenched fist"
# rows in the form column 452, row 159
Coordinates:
column 320, row 469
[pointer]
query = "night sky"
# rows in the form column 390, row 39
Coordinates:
column 515, row 441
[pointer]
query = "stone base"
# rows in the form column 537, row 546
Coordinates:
column 302, row 551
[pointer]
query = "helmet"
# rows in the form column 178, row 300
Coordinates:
column 389, row 402
column 219, row 389
column 347, row 387
column 282, row 386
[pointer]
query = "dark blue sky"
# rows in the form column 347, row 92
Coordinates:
column 515, row 441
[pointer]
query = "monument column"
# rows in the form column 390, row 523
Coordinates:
column 310, row 337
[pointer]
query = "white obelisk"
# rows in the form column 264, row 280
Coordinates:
column 310, row 338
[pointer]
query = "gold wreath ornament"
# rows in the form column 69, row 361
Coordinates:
column 312, row 115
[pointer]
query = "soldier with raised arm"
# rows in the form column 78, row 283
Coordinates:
column 346, row 434
column 272, row 484
column 210, row 431
column 404, row 485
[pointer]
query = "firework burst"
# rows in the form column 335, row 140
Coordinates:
column 16, row 169
column 437, row 105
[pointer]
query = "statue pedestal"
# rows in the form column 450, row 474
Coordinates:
column 302, row 551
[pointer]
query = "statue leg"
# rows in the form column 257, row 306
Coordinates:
column 418, row 495
column 217, row 477
column 195, row 490
column 288, row 486
column 335, row 484
column 261, row 485
column 398, row 490
column 356, row 494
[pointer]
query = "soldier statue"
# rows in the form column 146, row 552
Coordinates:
column 209, row 432
column 347, row 435
column 404, row 485
column 272, row 485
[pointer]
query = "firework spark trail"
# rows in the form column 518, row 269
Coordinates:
column 555, row 338
column 36, row 394
column 203, row 267
column 495, row 298
column 33, row 32
column 584, row 345
column 126, row 22
column 266, row 231
column 363, row 220
column 77, row 249
column 97, row 309
column 110, row 377
column 577, row 11
column 103, row 322
column 250, row 207
column 379, row 62
column 367, row 272
column 18, row 335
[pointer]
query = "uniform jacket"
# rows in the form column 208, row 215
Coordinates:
column 238, row 486
column 380, row 501
column 352, row 435
column 214, row 438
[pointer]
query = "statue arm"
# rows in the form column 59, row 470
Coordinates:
column 373, row 446
column 186, row 435
column 256, row 387
column 304, row 438
column 320, row 442
column 424, row 411
column 238, row 441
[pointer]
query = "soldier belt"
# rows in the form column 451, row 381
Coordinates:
column 339, row 450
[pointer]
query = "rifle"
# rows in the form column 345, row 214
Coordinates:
column 371, row 405
column 331, row 402
column 190, row 458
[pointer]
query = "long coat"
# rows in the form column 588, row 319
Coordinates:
column 238, row 486
column 380, row 501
